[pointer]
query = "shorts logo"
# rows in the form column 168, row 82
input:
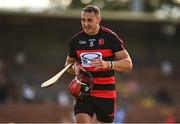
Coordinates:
column 86, row 58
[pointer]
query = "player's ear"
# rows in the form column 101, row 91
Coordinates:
column 99, row 19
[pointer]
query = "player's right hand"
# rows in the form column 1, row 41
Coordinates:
column 100, row 64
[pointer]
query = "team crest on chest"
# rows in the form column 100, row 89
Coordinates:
column 101, row 41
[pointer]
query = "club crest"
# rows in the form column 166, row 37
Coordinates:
column 101, row 41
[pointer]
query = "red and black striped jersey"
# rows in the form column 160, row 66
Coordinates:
column 84, row 48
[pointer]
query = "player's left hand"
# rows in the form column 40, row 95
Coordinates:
column 100, row 64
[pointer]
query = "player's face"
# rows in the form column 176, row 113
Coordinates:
column 90, row 22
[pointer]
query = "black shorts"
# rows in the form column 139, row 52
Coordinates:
column 102, row 107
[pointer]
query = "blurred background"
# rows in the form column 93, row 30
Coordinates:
column 34, row 37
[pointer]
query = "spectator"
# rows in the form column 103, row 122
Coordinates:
column 163, row 96
column 3, row 85
column 166, row 68
column 28, row 93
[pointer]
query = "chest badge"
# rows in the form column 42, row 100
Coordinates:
column 101, row 41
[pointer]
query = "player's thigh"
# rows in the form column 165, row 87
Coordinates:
column 105, row 110
column 83, row 118
column 84, row 108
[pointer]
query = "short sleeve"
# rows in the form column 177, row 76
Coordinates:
column 118, row 44
column 72, row 51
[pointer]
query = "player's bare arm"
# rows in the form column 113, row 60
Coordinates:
column 122, row 62
column 68, row 61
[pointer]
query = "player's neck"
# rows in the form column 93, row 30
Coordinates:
column 96, row 31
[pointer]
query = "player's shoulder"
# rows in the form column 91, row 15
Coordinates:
column 105, row 29
column 108, row 31
column 78, row 35
column 111, row 34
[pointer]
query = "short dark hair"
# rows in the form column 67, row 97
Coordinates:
column 92, row 9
